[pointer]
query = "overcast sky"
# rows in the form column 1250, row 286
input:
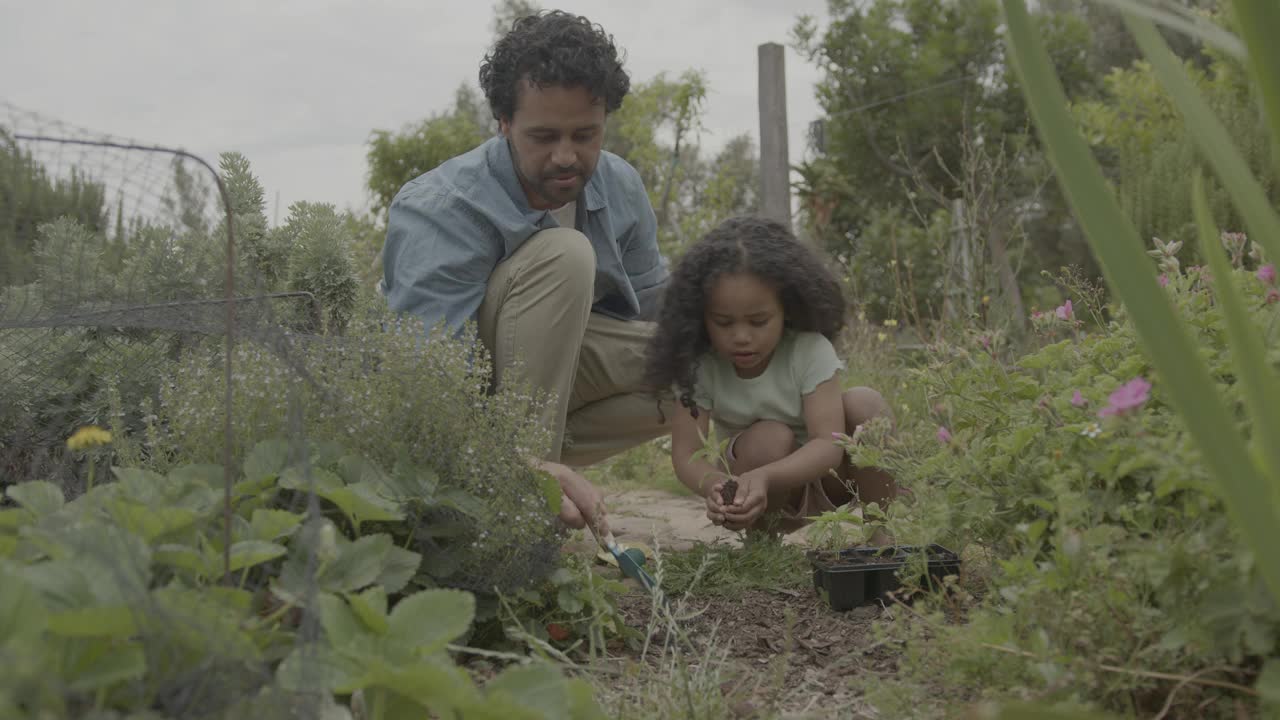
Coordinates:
column 298, row 85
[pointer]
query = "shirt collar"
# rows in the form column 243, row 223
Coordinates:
column 503, row 168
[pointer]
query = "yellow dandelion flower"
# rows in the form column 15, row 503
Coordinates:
column 882, row 336
column 89, row 436
column 891, row 323
column 986, row 299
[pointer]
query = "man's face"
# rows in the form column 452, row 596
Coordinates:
column 555, row 136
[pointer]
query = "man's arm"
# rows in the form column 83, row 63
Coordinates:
column 644, row 264
column 437, row 259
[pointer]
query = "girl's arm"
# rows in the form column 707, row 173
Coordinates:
column 687, row 432
column 823, row 415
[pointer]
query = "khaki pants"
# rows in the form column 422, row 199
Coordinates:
column 537, row 311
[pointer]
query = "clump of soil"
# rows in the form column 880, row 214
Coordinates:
column 728, row 491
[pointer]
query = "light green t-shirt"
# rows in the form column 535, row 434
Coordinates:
column 801, row 362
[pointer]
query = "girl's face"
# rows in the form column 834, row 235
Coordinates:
column 744, row 321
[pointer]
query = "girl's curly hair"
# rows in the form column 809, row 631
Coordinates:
column 810, row 295
column 553, row 48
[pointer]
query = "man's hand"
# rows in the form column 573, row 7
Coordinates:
column 582, row 503
column 750, row 501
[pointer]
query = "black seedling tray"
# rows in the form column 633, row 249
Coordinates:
column 862, row 575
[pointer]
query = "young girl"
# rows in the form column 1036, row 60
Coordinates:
column 744, row 336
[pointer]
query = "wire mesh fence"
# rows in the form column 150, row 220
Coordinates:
column 221, row 461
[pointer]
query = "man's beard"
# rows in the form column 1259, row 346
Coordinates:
column 544, row 185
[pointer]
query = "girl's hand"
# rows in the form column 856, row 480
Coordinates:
column 750, row 502
column 715, row 505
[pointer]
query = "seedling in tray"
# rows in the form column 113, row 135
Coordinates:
column 863, row 575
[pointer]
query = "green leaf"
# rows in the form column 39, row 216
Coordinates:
column 1185, row 21
column 398, row 568
column 248, row 553
column 428, row 620
column 1259, row 20
column 440, row 687
column 273, row 524
column 313, row 479
column 40, row 497
column 118, row 621
column 539, row 688
column 1248, row 351
column 22, row 612
column 354, row 469
column 1268, row 685
column 1130, row 275
column 266, row 460
column 210, row 476
column 151, row 523
column 462, row 501
column 582, row 702
column 101, row 664
column 358, row 564
column 183, row 557
column 569, row 601
column 550, row 487
column 1029, row 711
column 141, row 484
column 371, row 607
column 361, row 503
column 205, row 623
column 14, row 518
column 314, row 667
column 340, row 624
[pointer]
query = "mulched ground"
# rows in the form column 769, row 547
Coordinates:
column 791, row 654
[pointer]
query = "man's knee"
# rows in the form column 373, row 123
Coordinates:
column 862, row 404
column 563, row 258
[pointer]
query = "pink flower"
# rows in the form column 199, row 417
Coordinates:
column 1077, row 399
column 1064, row 311
column 1163, row 280
column 1036, row 315
column 838, row 437
column 1267, row 274
column 985, row 342
column 944, row 435
column 1127, row 397
column 1273, row 296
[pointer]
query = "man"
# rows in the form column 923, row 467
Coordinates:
column 548, row 243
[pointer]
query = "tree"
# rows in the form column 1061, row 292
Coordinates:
column 396, row 158
column 29, row 198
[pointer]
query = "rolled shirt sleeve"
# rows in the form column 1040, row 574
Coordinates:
column 434, row 267
column 645, row 266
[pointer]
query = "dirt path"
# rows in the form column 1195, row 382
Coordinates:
column 676, row 521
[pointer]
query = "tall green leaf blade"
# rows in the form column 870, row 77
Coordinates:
column 1185, row 21
column 1249, row 354
column 1211, row 137
column 1129, row 274
column 1259, row 23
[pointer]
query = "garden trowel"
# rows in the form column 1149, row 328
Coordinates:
column 631, row 562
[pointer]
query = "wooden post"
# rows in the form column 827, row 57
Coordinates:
column 775, row 161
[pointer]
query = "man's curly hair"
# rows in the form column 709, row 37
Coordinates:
column 810, row 295
column 553, row 48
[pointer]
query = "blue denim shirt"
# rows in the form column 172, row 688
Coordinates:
column 449, row 228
